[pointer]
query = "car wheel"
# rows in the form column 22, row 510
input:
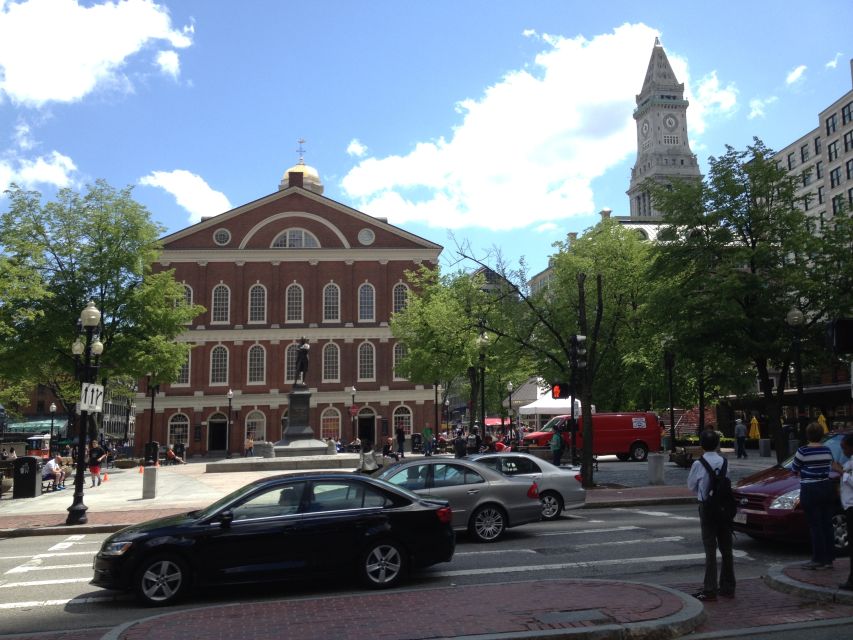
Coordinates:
column 552, row 505
column 839, row 534
column 639, row 452
column 161, row 580
column 382, row 565
column 487, row 523
column 622, row 457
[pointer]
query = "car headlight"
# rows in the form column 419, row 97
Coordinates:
column 788, row 500
column 115, row 548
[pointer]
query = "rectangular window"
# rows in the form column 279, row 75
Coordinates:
column 831, row 124
column 670, row 139
column 849, row 167
column 847, row 113
column 832, row 150
column 184, row 373
column 804, row 152
column 819, row 170
column 838, row 204
column 820, row 195
column 835, row 177
column 817, row 146
column 848, row 142
column 807, row 201
column 807, row 178
column 791, row 161
column 850, row 197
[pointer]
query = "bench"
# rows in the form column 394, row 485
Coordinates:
column 684, row 456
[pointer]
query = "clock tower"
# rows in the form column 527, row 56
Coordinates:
column 663, row 152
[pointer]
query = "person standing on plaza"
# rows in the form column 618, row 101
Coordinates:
column 401, row 442
column 716, row 533
column 460, row 447
column 249, row 449
column 847, row 498
column 427, row 434
column 812, row 463
column 740, row 438
column 96, row 457
column 557, row 445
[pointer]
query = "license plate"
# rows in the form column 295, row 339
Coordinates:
column 740, row 518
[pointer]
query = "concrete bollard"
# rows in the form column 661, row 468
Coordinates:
column 764, row 447
column 656, row 468
column 149, row 483
column 330, row 448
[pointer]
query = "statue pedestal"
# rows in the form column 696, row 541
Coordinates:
column 298, row 438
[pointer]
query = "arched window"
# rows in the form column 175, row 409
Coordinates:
column 183, row 378
column 366, row 303
column 331, row 363
column 330, row 424
column 295, row 239
column 257, row 364
column 290, row 363
column 258, row 303
column 179, row 429
column 366, row 362
column 401, row 296
column 219, row 365
column 293, row 300
column 188, row 298
column 221, row 304
column 403, row 420
column 331, row 303
column 256, row 426
column 399, row 355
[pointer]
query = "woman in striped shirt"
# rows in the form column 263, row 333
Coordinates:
column 812, row 463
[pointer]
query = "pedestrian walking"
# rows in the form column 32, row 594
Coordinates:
column 474, row 442
column 812, row 463
column 427, row 434
column 847, row 498
column 96, row 458
column 740, row 438
column 557, row 445
column 401, row 442
column 460, row 446
column 249, row 448
column 716, row 532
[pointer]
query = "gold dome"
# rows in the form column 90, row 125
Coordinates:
column 310, row 177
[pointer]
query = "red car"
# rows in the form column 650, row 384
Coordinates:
column 769, row 503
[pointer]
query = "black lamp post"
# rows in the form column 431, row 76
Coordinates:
column 52, row 414
column 437, row 404
column 447, row 413
column 795, row 319
column 228, row 426
column 509, row 388
column 152, row 453
column 353, row 412
column 90, row 320
column 669, row 362
column 482, row 344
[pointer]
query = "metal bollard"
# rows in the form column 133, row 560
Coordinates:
column 656, row 468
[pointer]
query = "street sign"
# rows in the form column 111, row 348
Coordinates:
column 353, row 410
column 92, row 397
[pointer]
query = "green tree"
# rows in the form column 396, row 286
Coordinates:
column 97, row 245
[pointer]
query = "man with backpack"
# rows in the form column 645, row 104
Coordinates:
column 474, row 442
column 708, row 480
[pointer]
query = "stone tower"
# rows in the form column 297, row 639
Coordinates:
column 663, row 151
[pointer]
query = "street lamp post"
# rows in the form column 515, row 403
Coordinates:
column 228, row 426
column 437, row 404
column 795, row 319
column 353, row 418
column 52, row 414
column 669, row 362
column 152, row 451
column 447, row 413
column 509, row 408
column 482, row 344
column 90, row 320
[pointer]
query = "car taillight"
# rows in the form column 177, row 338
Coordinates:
column 533, row 491
column 445, row 515
column 579, row 477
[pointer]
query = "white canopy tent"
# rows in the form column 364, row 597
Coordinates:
column 548, row 406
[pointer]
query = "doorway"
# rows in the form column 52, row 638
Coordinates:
column 216, row 433
column 367, row 426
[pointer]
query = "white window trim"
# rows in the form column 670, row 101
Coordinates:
column 190, row 302
column 304, row 231
column 213, row 305
column 248, row 364
column 323, row 363
column 210, row 368
column 189, row 372
column 287, row 304
column 169, row 427
column 358, row 362
column 246, row 425
column 287, row 378
column 395, row 377
column 330, row 320
column 411, row 418
column 393, row 290
column 373, row 306
column 249, row 305
column 337, row 413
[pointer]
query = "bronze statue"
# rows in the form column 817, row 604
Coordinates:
column 301, row 362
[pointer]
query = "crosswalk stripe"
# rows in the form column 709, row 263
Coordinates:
column 635, row 541
column 39, row 583
column 25, row 568
column 580, row 532
column 32, row 604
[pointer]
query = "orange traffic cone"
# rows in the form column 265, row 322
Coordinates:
column 106, row 477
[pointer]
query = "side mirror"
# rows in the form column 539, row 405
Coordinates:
column 226, row 518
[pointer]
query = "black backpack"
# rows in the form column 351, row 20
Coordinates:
column 720, row 504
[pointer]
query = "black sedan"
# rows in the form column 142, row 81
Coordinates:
column 278, row 528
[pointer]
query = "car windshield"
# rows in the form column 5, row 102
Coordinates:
column 833, row 443
column 234, row 495
column 551, row 424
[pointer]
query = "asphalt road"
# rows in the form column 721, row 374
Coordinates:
column 44, row 585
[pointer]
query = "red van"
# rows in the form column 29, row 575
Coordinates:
column 627, row 435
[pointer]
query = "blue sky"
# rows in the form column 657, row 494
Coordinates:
column 503, row 123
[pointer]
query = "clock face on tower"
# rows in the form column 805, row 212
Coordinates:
column 644, row 128
column 670, row 121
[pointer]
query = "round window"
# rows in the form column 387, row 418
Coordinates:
column 222, row 237
column 366, row 236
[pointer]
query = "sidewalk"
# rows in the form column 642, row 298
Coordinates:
column 787, row 596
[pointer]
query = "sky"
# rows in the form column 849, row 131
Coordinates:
column 500, row 124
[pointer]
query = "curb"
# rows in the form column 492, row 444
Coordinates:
column 24, row 532
column 751, row 632
column 776, row 579
column 639, row 502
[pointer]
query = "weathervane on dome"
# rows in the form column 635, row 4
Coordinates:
column 301, row 151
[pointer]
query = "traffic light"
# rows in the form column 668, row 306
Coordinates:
column 578, row 352
column 559, row 390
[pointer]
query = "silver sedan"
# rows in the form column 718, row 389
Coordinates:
column 483, row 501
column 558, row 488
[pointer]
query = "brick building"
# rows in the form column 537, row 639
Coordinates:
column 291, row 264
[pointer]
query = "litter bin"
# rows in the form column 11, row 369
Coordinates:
column 27, row 477
column 152, row 453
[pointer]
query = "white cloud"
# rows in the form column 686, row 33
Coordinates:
column 22, row 138
column 59, row 50
column 796, row 75
column 527, row 150
column 545, row 226
column 169, row 63
column 190, row 192
column 53, row 169
column 356, row 149
column 832, row 64
column 757, row 106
